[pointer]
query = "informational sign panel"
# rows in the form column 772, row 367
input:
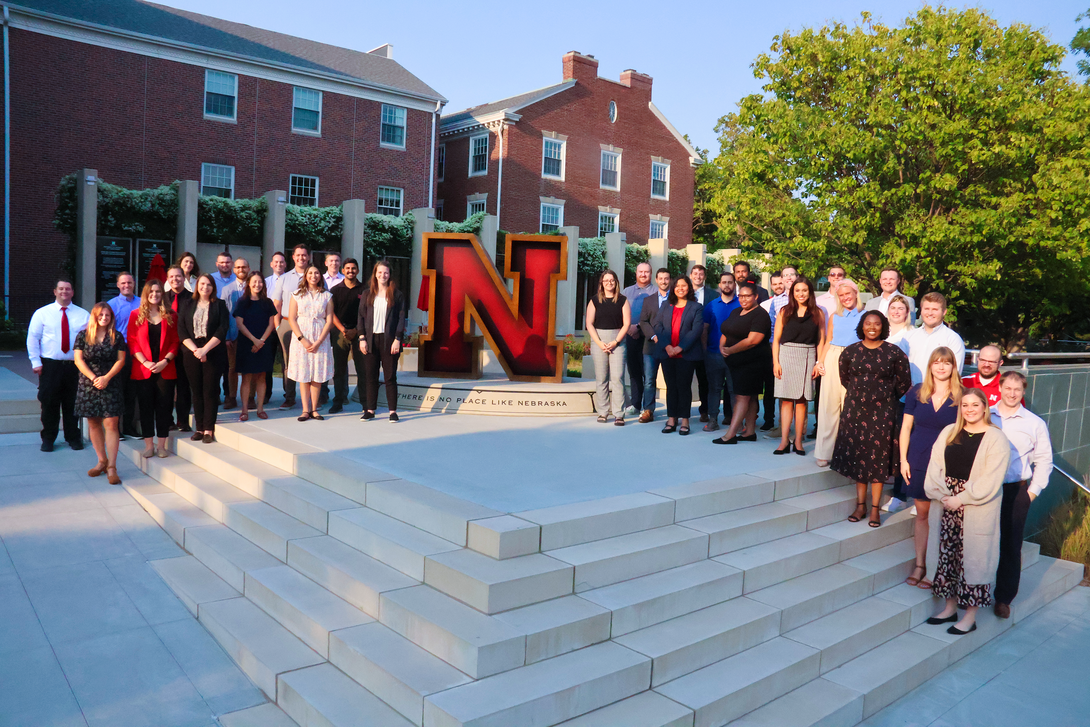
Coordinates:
column 153, row 257
column 113, row 255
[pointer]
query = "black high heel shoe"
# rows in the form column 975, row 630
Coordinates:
column 785, row 450
column 798, row 450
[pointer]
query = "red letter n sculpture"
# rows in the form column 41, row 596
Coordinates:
column 520, row 326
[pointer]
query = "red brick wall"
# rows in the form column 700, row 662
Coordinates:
column 457, row 185
column 140, row 122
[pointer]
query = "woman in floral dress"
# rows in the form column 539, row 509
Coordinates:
column 311, row 360
column 100, row 356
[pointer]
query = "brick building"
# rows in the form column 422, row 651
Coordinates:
column 588, row 151
column 148, row 94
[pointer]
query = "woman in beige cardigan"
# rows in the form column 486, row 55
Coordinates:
column 965, row 475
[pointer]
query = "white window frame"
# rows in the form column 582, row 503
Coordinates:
column 558, row 205
column 665, row 230
column 400, row 200
column 206, row 166
column 602, row 167
column 615, row 216
column 404, row 126
column 545, row 141
column 299, row 130
column 472, row 142
column 233, row 118
column 471, row 203
column 291, row 182
column 666, row 180
column 441, row 162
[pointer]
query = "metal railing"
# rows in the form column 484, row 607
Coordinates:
column 1083, row 485
column 1026, row 356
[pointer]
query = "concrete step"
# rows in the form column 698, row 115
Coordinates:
column 920, row 602
column 465, row 638
column 890, row 565
column 558, row 626
column 708, row 497
column 208, row 492
column 603, row 562
column 346, row 572
column 192, row 582
column 341, row 475
column 816, row 594
column 816, row 704
column 695, row 640
column 546, row 693
column 734, row 686
column 322, row 696
column 387, row 539
column 1031, row 553
column 260, row 646
column 648, row 600
column 646, row 709
column 430, row 510
column 1042, row 582
column 801, row 479
column 265, row 526
column 737, row 529
column 491, row 585
column 858, row 538
column 824, row 507
column 173, row 512
column 988, row 626
column 226, row 553
column 583, row 522
column 504, row 537
column 20, row 423
column 262, row 445
column 301, row 606
column 776, row 561
column 889, row 671
column 853, row 630
column 392, row 668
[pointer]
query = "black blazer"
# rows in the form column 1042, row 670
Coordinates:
column 692, row 327
column 395, row 319
column 217, row 320
column 648, row 312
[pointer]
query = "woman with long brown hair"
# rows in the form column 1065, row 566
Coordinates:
column 153, row 344
column 310, row 363
column 799, row 333
column 381, row 326
column 190, row 270
column 202, row 326
column 100, row 356
column 608, row 318
column 255, row 316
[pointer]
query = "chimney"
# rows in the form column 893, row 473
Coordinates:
column 580, row 67
column 635, row 79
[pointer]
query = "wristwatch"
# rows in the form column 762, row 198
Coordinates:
column 299, row 337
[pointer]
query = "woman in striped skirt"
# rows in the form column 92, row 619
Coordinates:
column 800, row 332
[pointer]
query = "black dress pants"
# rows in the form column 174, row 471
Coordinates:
column 770, row 395
column 130, row 424
column 1012, row 527
column 57, row 393
column 702, row 386
column 156, row 398
column 380, row 353
column 633, row 358
column 204, row 382
column 183, row 396
column 342, row 349
column 678, row 374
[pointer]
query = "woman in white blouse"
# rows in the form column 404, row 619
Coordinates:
column 381, row 325
column 310, row 362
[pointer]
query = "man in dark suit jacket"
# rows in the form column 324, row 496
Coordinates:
column 648, row 313
column 703, row 295
column 175, row 295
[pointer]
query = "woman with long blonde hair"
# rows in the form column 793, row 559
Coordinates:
column 100, row 356
column 153, row 345
column 840, row 332
column 608, row 318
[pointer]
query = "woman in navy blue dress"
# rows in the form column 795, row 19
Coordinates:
column 929, row 408
column 255, row 315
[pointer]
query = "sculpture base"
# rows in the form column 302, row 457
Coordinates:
column 493, row 395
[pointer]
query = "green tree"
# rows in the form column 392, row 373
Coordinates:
column 950, row 148
column 1081, row 44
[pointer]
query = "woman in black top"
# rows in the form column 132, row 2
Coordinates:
column 255, row 316
column 608, row 318
column 381, row 326
column 744, row 344
column 800, row 332
column 202, row 326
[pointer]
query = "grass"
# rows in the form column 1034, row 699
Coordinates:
column 1067, row 533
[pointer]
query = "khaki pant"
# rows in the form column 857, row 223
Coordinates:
column 831, row 403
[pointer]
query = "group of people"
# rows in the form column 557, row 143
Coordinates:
column 889, row 401
column 137, row 366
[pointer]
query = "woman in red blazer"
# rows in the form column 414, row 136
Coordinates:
column 153, row 345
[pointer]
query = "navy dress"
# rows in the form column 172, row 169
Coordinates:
column 255, row 314
column 926, row 425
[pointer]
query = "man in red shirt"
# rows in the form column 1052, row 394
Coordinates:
column 986, row 377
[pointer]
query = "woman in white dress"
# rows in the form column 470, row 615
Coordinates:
column 311, row 361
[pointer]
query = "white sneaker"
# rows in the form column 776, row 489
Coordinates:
column 894, row 504
column 912, row 510
column 631, row 411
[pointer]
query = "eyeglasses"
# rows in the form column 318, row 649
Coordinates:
column 987, row 360
column 746, row 295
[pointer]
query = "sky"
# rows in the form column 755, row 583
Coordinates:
column 699, row 52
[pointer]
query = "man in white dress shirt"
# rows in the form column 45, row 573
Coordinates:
column 932, row 334
column 332, row 272
column 281, row 298
column 890, row 282
column 51, row 344
column 1027, row 475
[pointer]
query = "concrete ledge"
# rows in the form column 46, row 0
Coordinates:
column 430, row 510
column 504, row 537
column 491, row 586
column 558, row 626
column 699, row 499
column 323, row 696
column 583, row 522
column 192, row 582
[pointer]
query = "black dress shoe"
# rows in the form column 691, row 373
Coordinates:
column 721, row 440
column 750, row 438
column 393, row 416
column 336, row 409
column 703, row 417
column 669, row 429
column 958, row 632
column 368, row 415
column 47, row 446
column 785, row 450
column 935, row 620
column 185, row 430
column 77, row 445
column 767, row 427
column 798, row 450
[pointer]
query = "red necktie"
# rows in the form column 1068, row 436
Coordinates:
column 174, row 303
column 64, row 329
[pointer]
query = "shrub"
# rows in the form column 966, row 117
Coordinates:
column 592, row 256
column 1067, row 532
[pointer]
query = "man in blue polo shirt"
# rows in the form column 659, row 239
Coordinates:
column 715, row 312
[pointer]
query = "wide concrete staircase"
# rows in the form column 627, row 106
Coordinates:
column 19, row 407
column 353, row 598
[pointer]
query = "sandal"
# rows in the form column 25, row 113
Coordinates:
column 262, row 415
column 876, row 521
column 683, row 431
column 111, row 476
column 98, row 469
column 912, row 580
column 244, row 417
column 924, row 584
column 602, row 419
column 856, row 516
column 669, row 429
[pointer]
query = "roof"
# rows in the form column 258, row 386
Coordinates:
column 509, row 104
column 236, row 39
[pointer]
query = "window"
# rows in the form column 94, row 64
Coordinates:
column 389, row 201
column 220, row 95
column 660, row 180
column 611, row 170
column 303, row 190
column 658, row 230
column 612, row 112
column 306, row 113
column 439, row 210
column 474, row 206
column 218, row 180
column 393, row 126
column 552, row 163
column 478, row 155
column 552, row 217
column 607, row 222
column 441, row 162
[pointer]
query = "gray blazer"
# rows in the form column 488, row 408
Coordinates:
column 648, row 313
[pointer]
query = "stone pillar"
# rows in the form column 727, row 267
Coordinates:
column 490, row 226
column 276, row 200
column 355, row 221
column 423, row 221
column 658, row 248
column 615, row 254
column 86, row 232
column 186, row 238
column 698, row 255
column 565, row 289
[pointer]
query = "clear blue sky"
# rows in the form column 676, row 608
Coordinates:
column 699, row 52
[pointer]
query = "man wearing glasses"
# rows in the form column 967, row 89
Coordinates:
column 827, row 300
column 986, row 377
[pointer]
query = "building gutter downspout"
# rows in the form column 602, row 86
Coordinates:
column 499, row 179
column 431, row 173
column 7, row 168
